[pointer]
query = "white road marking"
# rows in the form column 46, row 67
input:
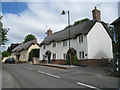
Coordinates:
column 87, row 86
column 28, row 68
column 49, row 74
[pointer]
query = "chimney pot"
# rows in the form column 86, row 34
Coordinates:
column 96, row 14
column 35, row 40
column 49, row 32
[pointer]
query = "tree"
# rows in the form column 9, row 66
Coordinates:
column 5, row 54
column 4, row 37
column 29, row 37
column 3, row 33
column 111, row 29
column 81, row 21
column 78, row 22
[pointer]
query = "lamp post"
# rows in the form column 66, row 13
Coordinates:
column 63, row 13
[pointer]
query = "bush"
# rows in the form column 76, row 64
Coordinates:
column 33, row 53
column 67, row 61
column 75, row 60
column 5, row 54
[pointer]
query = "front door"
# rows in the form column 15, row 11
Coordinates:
column 49, row 58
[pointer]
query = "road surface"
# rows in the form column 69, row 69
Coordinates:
column 36, row 76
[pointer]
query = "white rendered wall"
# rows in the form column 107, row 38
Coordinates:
column 59, row 50
column 80, row 46
column 99, row 43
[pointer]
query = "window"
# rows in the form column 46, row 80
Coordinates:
column 64, row 43
column 64, row 56
column 44, row 57
column 54, row 56
column 54, row 44
column 81, row 55
column 44, row 47
column 80, row 38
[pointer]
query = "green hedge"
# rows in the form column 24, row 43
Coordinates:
column 33, row 53
column 75, row 60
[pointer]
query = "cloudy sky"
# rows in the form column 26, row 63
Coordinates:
column 28, row 17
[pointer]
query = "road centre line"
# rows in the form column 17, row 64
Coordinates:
column 89, row 86
column 28, row 68
column 49, row 74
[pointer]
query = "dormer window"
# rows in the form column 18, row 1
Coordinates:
column 54, row 44
column 80, row 38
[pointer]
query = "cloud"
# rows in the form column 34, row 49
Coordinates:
column 37, row 16
column 59, row 0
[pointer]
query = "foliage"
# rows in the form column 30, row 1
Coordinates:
column 75, row 60
column 81, row 21
column 3, row 33
column 33, row 53
column 4, row 37
column 78, row 22
column 68, row 26
column 67, row 61
column 111, row 29
column 29, row 37
column 5, row 54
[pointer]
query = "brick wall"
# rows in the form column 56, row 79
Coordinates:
column 87, row 62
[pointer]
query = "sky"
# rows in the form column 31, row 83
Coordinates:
column 24, row 17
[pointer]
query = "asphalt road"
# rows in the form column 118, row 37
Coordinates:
column 35, row 76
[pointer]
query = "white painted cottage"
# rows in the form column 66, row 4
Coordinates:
column 91, row 40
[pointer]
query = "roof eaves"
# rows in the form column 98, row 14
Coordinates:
column 106, row 28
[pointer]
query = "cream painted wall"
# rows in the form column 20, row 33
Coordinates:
column 99, row 43
column 23, row 55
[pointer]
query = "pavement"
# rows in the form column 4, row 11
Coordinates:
column 37, row 76
column 58, row 66
column 99, row 70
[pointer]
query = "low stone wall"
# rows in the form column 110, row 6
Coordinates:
column 36, row 60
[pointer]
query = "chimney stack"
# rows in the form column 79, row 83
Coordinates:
column 49, row 32
column 35, row 40
column 96, row 14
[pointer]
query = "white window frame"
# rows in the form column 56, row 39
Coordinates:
column 44, row 46
column 64, row 56
column 80, row 39
column 64, row 43
column 54, row 44
column 55, row 55
column 81, row 55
